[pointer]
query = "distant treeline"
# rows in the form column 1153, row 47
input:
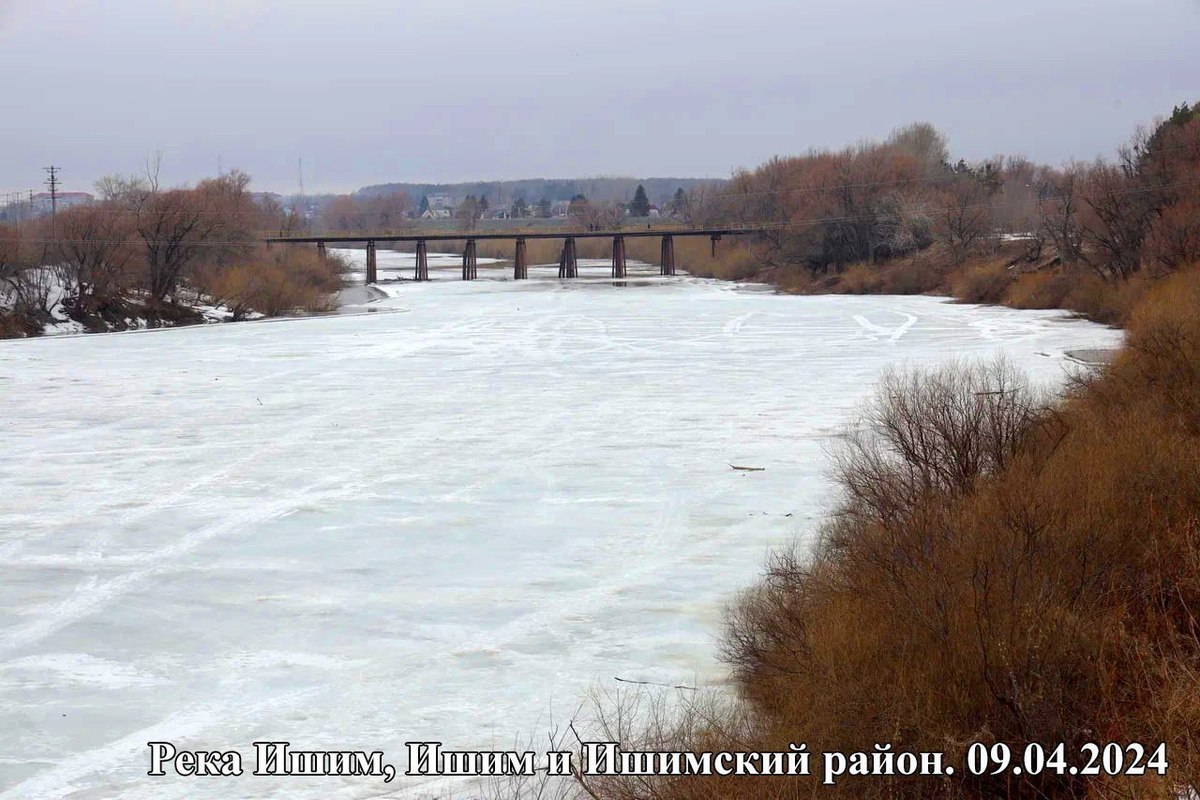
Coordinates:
column 502, row 193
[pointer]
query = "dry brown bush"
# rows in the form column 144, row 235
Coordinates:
column 911, row 277
column 1080, row 290
column 1104, row 301
column 14, row 325
column 275, row 281
column 985, row 283
column 860, row 279
column 1038, row 290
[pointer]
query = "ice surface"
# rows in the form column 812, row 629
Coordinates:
column 440, row 521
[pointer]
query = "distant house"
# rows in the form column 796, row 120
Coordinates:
column 560, row 208
column 435, row 213
column 441, row 202
column 42, row 204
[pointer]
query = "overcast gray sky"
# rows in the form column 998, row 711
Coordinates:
column 369, row 91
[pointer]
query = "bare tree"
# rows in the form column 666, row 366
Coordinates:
column 174, row 227
column 1060, row 222
column 468, row 212
column 94, row 255
column 123, row 188
column 925, row 143
column 1119, row 218
column 343, row 213
column 28, row 286
column 388, row 212
column 964, row 219
column 153, row 169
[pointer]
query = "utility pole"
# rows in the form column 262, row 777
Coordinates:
column 52, row 184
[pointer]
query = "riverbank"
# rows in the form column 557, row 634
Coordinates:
column 999, row 567
column 59, row 316
column 1010, row 274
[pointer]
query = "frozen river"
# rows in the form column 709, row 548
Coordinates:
column 441, row 521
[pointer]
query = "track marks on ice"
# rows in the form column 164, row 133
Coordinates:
column 882, row 332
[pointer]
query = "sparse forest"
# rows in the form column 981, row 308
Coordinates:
column 901, row 217
column 151, row 256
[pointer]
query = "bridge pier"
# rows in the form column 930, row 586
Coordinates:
column 421, row 271
column 470, row 265
column 321, row 249
column 668, row 256
column 716, row 237
column 372, row 271
column 520, row 267
column 618, row 257
column 568, row 264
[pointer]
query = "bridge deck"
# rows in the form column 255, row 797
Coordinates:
column 465, row 235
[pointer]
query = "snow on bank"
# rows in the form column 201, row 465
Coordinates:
column 55, row 297
column 357, row 531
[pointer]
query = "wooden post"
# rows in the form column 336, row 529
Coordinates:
column 668, row 256
column 470, row 270
column 618, row 258
column 372, row 272
column 421, row 273
column 568, row 265
column 520, row 268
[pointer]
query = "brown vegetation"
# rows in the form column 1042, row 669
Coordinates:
column 1000, row 568
column 380, row 213
column 898, row 217
column 145, row 252
column 274, row 281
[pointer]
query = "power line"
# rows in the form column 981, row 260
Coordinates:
column 823, row 187
column 768, row 227
column 52, row 183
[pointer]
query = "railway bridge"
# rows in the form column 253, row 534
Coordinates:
column 568, row 263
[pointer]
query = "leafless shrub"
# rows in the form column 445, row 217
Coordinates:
column 274, row 281
column 930, row 433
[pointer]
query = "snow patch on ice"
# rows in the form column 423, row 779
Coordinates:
column 72, row 670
